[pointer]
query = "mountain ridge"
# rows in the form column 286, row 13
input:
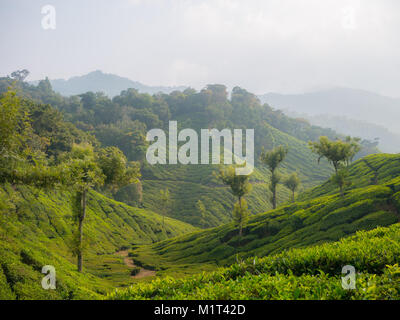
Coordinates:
column 353, row 103
column 110, row 84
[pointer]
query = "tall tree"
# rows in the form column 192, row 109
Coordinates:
column 240, row 215
column 293, row 183
column 85, row 174
column 240, row 186
column 340, row 179
column 272, row 159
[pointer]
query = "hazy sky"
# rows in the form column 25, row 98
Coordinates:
column 267, row 45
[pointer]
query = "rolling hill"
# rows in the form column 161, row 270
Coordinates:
column 320, row 215
column 312, row 273
column 189, row 183
column 124, row 121
column 37, row 229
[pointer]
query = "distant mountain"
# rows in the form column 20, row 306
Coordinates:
column 351, row 103
column 389, row 142
column 110, row 84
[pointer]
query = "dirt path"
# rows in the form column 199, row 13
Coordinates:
column 129, row 262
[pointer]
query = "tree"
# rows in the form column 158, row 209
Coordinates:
column 340, row 179
column 165, row 203
column 20, row 75
column 338, row 153
column 21, row 158
column 240, row 186
column 240, row 215
column 293, row 183
column 117, row 170
column 85, row 174
column 14, row 127
column 272, row 159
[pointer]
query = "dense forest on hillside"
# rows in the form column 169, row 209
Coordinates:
column 124, row 120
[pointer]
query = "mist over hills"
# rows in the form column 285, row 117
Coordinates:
column 351, row 103
column 348, row 111
column 110, row 84
column 389, row 142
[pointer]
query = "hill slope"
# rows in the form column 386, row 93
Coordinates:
column 313, row 273
column 37, row 229
column 190, row 183
column 124, row 121
column 317, row 218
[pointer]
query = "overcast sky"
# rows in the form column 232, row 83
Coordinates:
column 286, row 46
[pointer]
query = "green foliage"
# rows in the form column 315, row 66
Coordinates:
column 240, row 214
column 37, row 228
column 313, row 220
column 118, row 173
column 272, row 159
column 165, row 201
column 340, row 179
column 13, row 126
column 124, row 120
column 374, row 169
column 336, row 152
column 292, row 183
column 239, row 184
column 201, row 208
column 313, row 273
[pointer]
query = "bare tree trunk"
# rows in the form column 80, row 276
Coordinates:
column 274, row 198
column 163, row 220
column 341, row 191
column 81, row 218
column 241, row 222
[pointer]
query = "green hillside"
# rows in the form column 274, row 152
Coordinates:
column 371, row 170
column 313, row 273
column 124, row 121
column 189, row 183
column 318, row 220
column 61, row 165
column 37, row 229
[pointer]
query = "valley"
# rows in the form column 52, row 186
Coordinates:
column 77, row 193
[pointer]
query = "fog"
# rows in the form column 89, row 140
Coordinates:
column 286, row 46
